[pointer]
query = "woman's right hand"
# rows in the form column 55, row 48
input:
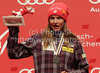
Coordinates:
column 63, row 72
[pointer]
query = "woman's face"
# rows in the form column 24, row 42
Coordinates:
column 56, row 22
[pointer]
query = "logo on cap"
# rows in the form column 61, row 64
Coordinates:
column 64, row 11
column 55, row 11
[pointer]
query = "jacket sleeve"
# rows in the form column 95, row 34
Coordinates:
column 80, row 62
column 15, row 50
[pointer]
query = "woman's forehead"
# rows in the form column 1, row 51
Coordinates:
column 55, row 16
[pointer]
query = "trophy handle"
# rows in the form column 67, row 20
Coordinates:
column 13, row 21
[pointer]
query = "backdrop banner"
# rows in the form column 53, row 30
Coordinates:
column 83, row 20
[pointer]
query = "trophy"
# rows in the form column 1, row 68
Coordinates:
column 17, row 18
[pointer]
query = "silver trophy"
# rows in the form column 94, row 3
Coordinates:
column 17, row 18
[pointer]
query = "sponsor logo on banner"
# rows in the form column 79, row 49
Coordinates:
column 28, row 70
column 35, row 2
column 93, row 9
column 4, row 46
column 96, row 2
column 97, row 68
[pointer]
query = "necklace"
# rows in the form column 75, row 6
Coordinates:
column 56, row 59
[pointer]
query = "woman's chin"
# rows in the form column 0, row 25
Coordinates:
column 56, row 29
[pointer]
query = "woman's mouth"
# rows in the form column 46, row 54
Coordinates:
column 56, row 26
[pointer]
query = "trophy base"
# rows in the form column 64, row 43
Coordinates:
column 13, row 21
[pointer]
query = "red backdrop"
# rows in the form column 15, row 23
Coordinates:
column 83, row 20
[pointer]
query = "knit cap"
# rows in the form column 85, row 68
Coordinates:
column 58, row 9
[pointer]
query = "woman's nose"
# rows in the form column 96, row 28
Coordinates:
column 55, row 20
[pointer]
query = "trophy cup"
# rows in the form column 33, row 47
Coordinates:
column 17, row 17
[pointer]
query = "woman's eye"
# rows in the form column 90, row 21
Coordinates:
column 51, row 17
column 59, row 18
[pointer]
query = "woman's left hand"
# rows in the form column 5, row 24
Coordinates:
column 63, row 72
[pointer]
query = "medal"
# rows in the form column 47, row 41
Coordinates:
column 56, row 59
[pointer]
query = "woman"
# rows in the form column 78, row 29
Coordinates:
column 56, row 50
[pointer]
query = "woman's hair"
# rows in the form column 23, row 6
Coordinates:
column 68, row 35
